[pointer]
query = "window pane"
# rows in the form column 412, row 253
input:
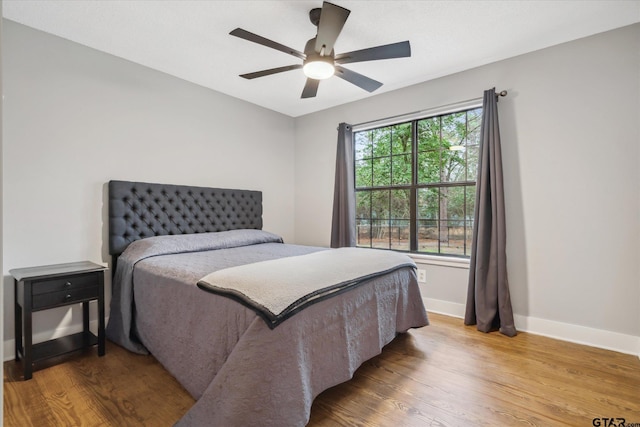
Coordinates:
column 443, row 214
column 380, row 204
column 401, row 169
column 401, row 138
column 380, row 234
column 400, row 204
column 428, row 167
column 454, row 128
column 451, row 238
column 453, row 165
column 362, row 144
column 471, row 206
column 453, row 208
column 446, row 219
column 363, row 232
column 453, row 203
column 454, row 132
column 400, row 219
column 364, row 175
column 430, row 220
column 474, row 121
column 428, row 236
column 428, row 203
column 363, row 204
column 399, row 233
column 468, row 237
column 471, row 202
column 381, row 171
column 429, row 134
column 381, row 139
column 472, row 162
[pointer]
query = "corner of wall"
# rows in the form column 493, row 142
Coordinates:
column 1, row 209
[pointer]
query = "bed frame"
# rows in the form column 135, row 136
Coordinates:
column 140, row 209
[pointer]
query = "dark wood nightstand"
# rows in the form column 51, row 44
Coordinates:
column 49, row 286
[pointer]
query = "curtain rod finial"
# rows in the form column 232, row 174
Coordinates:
column 503, row 93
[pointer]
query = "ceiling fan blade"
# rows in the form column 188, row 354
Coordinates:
column 270, row 71
column 357, row 79
column 310, row 88
column 388, row 51
column 332, row 19
column 244, row 34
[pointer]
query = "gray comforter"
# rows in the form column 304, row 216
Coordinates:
column 239, row 370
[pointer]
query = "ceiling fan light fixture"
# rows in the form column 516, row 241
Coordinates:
column 319, row 68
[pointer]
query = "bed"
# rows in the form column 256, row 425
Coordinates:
column 245, row 362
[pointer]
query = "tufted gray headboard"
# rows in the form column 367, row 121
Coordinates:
column 139, row 209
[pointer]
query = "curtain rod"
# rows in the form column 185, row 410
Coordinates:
column 424, row 112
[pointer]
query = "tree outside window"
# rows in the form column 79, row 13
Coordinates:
column 416, row 182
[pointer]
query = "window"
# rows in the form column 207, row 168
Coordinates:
column 416, row 184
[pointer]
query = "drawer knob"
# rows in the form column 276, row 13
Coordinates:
column 68, row 296
column 68, row 284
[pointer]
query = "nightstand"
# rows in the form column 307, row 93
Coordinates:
column 50, row 286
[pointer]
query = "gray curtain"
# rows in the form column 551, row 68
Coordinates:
column 343, row 228
column 488, row 300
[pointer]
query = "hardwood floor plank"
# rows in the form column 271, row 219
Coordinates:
column 446, row 374
column 119, row 389
column 24, row 403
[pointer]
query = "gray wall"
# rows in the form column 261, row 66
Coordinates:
column 570, row 137
column 76, row 118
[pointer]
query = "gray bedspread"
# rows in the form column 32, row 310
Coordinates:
column 121, row 327
column 239, row 370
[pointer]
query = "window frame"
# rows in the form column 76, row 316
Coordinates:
column 415, row 186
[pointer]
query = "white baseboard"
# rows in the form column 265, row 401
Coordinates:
column 623, row 343
column 444, row 307
column 9, row 345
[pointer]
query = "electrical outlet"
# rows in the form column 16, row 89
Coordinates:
column 422, row 276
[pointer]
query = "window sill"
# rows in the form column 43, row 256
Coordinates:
column 441, row 260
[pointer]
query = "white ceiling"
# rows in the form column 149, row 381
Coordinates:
column 190, row 40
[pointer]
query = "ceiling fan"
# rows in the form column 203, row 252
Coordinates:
column 319, row 61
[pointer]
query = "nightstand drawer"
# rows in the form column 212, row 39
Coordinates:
column 52, row 299
column 65, row 283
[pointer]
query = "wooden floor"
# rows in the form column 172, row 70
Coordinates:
column 445, row 374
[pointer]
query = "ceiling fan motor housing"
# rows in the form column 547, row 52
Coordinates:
column 314, row 15
column 310, row 50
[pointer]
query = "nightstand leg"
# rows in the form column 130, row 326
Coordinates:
column 101, row 336
column 17, row 319
column 85, row 317
column 27, row 314
column 85, row 322
column 28, row 345
column 19, row 347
